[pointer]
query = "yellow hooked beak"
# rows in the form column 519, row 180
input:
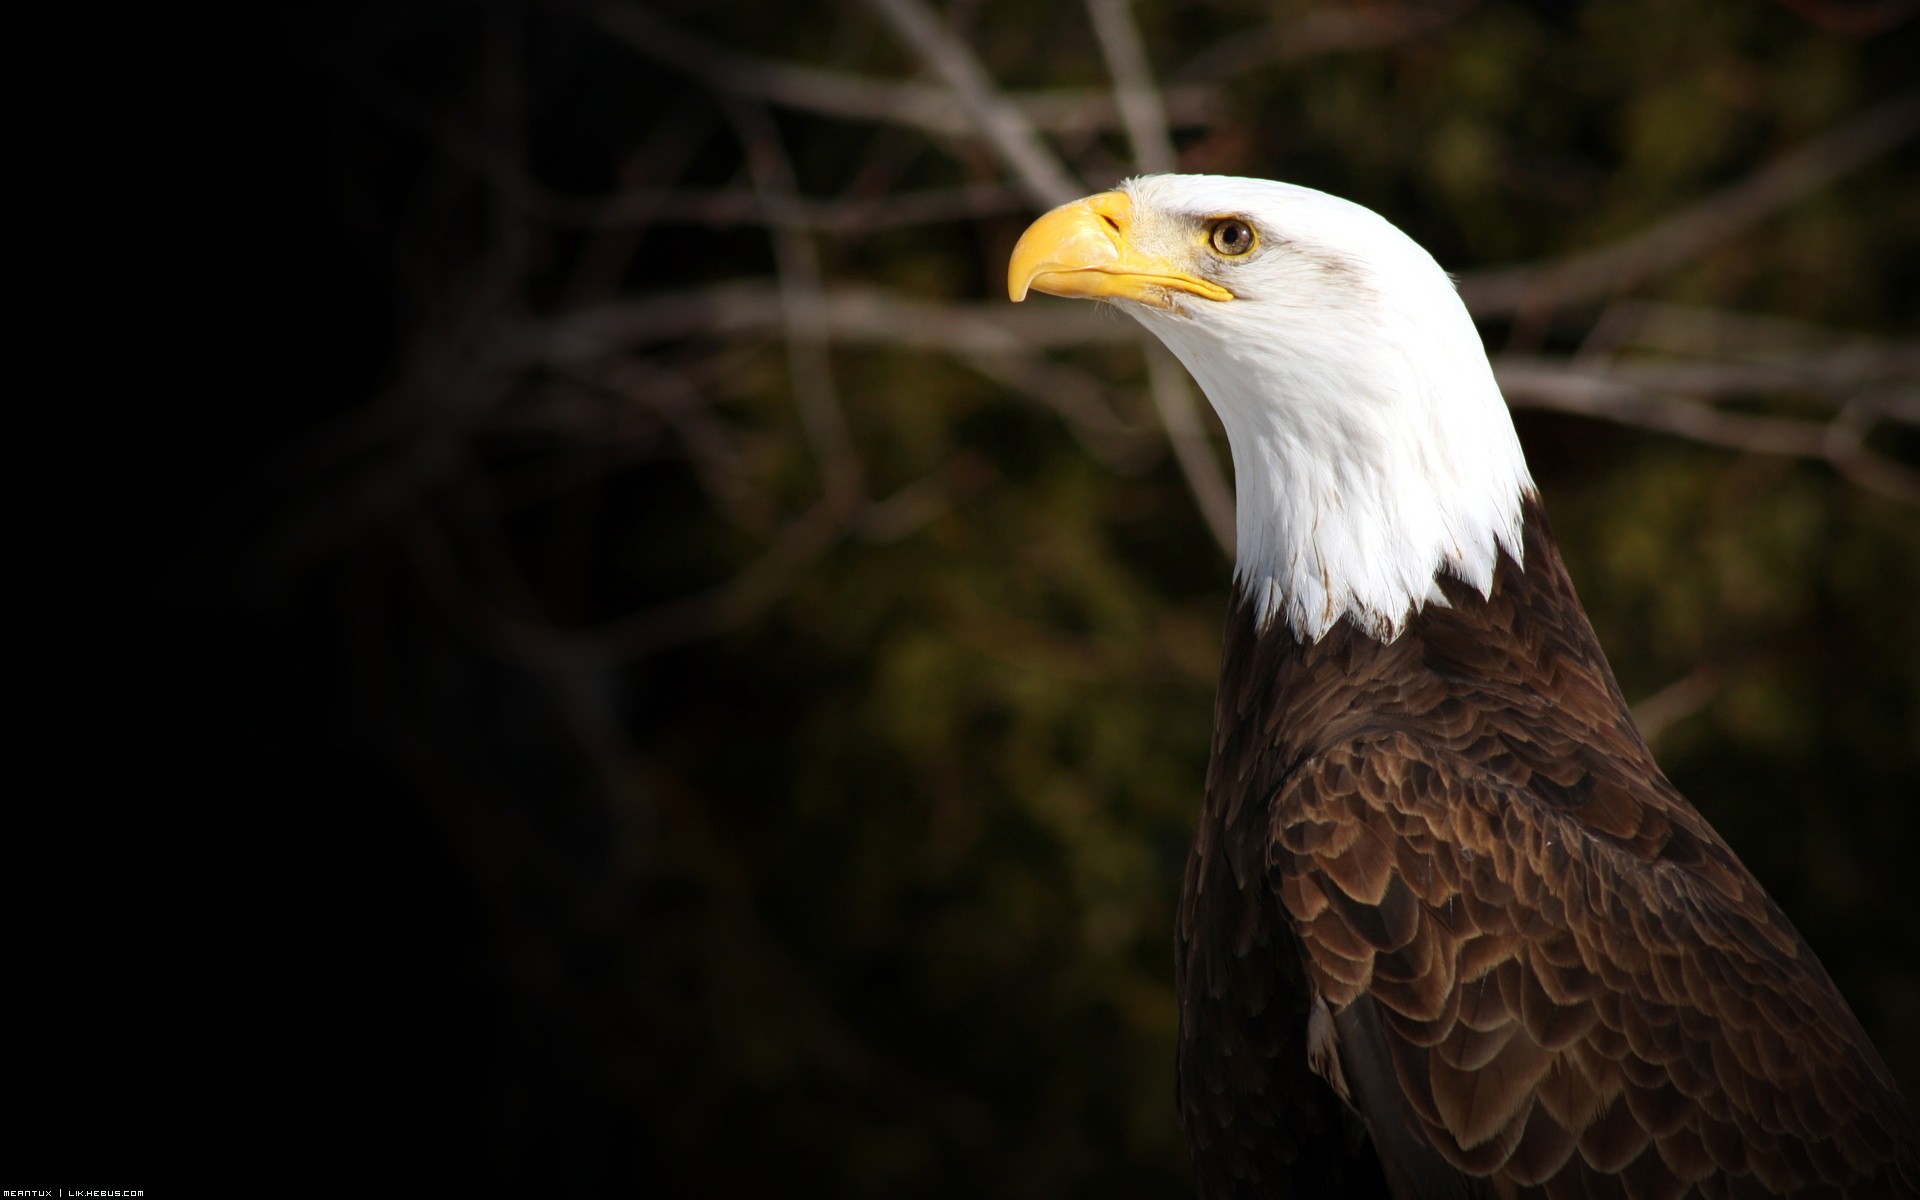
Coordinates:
column 1084, row 250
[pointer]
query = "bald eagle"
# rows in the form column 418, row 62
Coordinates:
column 1446, row 928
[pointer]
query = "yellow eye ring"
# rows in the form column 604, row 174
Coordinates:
column 1232, row 237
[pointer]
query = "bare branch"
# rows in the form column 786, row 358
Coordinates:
column 1801, row 353
column 640, row 207
column 666, row 152
column 762, row 583
column 855, row 315
column 1839, row 373
column 1677, row 701
column 1047, row 180
column 1847, row 451
column 1076, row 397
column 841, row 215
column 1328, row 31
column 906, row 510
column 1692, row 232
column 1538, row 383
column 808, row 360
column 991, row 339
column 1173, row 397
column 1140, row 104
column 928, row 108
column 709, row 448
column 1076, row 112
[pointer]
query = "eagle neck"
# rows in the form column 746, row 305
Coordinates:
column 1338, row 521
column 1525, row 647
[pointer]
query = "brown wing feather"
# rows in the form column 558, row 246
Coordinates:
column 1589, row 999
column 1258, row 1121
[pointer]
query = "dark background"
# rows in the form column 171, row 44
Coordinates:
column 846, row 866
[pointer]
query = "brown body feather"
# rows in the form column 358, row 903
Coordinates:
column 1545, row 973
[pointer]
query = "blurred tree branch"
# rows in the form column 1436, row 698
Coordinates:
column 1141, row 105
column 930, row 109
column 1048, row 180
column 1610, row 397
column 808, row 362
column 1712, row 221
column 1173, row 396
column 1328, row 31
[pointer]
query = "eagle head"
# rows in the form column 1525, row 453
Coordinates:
column 1372, row 450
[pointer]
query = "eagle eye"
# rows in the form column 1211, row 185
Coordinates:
column 1231, row 236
